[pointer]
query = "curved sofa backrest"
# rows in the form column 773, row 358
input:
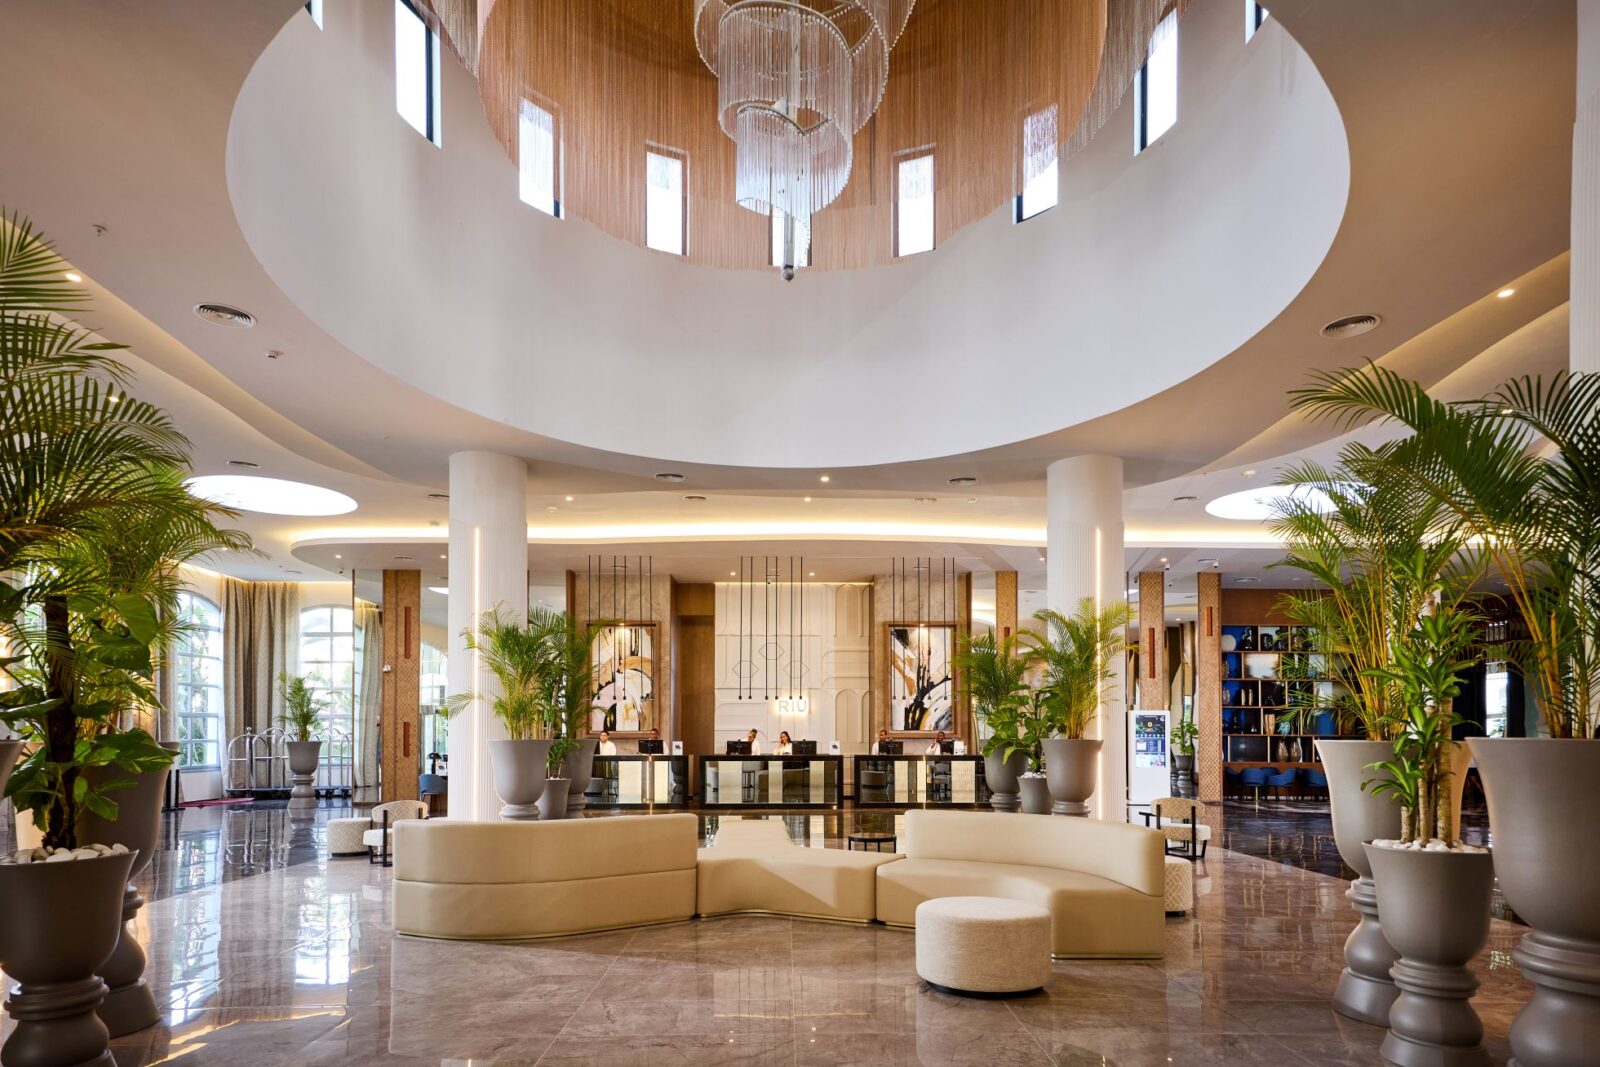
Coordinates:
column 442, row 850
column 1129, row 855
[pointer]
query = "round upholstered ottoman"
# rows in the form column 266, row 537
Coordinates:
column 1179, row 885
column 344, row 836
column 983, row 945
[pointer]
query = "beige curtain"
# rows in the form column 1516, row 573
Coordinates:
column 260, row 640
column 369, row 693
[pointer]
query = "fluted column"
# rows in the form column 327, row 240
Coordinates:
column 488, row 567
column 1083, row 514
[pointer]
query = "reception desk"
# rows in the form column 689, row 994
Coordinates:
column 920, row 781
column 639, row 781
column 771, row 781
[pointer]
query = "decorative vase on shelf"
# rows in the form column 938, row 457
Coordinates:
column 1228, row 643
column 1247, row 641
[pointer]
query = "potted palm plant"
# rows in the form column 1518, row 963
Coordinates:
column 1076, row 655
column 1517, row 469
column 567, row 673
column 1036, row 726
column 995, row 675
column 1382, row 551
column 514, row 654
column 301, row 721
column 1433, row 891
column 94, row 520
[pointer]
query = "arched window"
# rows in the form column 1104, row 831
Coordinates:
column 197, row 673
column 328, row 663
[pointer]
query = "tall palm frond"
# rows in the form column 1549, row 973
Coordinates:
column 1077, row 655
column 1520, row 469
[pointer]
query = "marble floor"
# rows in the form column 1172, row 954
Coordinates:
column 264, row 951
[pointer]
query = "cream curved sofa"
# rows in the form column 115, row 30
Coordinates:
column 1102, row 882
column 752, row 867
column 509, row 880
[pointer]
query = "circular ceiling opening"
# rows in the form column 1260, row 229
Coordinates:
column 1256, row 505
column 270, row 496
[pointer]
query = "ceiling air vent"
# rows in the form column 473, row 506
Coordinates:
column 223, row 315
column 1351, row 326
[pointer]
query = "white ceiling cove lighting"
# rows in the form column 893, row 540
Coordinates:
column 1257, row 504
column 270, row 496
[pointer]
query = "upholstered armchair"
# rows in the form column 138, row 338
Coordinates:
column 1178, row 819
column 379, row 836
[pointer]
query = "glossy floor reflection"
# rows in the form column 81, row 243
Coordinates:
column 264, row 951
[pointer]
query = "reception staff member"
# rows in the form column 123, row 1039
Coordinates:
column 755, row 746
column 607, row 746
column 785, row 745
column 877, row 746
column 936, row 746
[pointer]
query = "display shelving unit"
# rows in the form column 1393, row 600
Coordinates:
column 1263, row 666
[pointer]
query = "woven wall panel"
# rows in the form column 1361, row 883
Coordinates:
column 1208, row 686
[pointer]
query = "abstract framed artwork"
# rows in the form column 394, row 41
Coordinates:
column 921, row 686
column 624, row 677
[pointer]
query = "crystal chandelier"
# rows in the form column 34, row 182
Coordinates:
column 795, row 80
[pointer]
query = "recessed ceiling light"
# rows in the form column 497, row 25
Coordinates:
column 965, row 479
column 1258, row 504
column 1184, row 498
column 569, row 500
column 337, row 556
column 669, row 476
column 813, row 574
column 113, row 398
column 225, row 315
column 695, row 498
column 732, row 573
column 248, row 464
column 808, row 500
column 73, row 276
column 1163, row 559
column 1502, row 294
column 1250, row 473
column 270, row 496
column 823, row 478
column 441, row 555
column 438, row 496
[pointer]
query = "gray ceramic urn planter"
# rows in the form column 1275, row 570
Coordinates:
column 1071, row 765
column 553, row 801
column 57, row 929
column 1542, row 796
column 1035, row 795
column 129, row 1005
column 578, row 768
column 1435, row 908
column 1365, row 991
column 1001, row 775
column 519, row 770
column 303, row 759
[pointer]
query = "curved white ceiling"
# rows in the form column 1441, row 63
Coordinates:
column 423, row 261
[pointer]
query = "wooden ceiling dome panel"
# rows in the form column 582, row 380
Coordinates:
column 621, row 76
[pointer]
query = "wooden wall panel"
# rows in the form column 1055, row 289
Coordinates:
column 1153, row 690
column 400, row 697
column 1253, row 606
column 1005, row 603
column 1208, row 686
column 694, row 691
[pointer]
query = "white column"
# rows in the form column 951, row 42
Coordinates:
column 488, row 566
column 1083, row 515
column 1585, row 281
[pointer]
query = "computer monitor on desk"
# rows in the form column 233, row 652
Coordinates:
column 804, row 748
column 889, row 748
column 651, row 747
column 738, row 748
column 947, row 747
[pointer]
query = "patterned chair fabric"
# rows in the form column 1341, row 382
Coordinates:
column 1178, row 819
